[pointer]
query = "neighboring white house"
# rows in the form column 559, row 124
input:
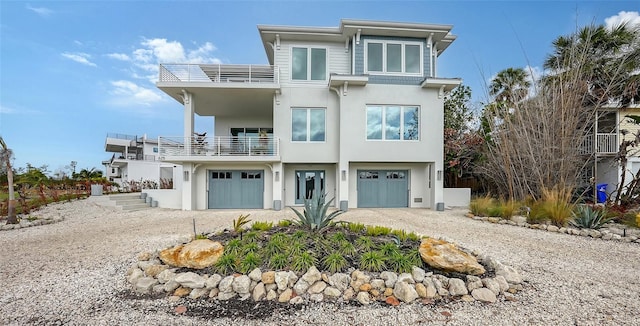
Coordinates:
column 354, row 111
column 135, row 159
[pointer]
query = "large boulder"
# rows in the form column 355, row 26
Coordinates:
column 445, row 256
column 197, row 254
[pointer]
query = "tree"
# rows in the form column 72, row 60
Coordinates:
column 5, row 160
column 510, row 86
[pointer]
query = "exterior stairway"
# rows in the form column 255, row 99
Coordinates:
column 128, row 202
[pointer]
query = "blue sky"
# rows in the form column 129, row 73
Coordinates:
column 73, row 71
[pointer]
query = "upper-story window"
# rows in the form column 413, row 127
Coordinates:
column 308, row 125
column 308, row 63
column 393, row 122
column 393, row 57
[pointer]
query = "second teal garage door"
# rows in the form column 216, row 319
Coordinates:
column 236, row 189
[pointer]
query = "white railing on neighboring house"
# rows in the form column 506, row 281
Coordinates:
column 219, row 73
column 227, row 146
column 605, row 143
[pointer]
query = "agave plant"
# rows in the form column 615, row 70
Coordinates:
column 585, row 217
column 315, row 215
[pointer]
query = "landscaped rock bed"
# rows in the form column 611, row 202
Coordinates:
column 610, row 231
column 150, row 275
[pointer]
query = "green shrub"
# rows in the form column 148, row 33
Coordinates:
column 494, row 211
column 303, row 261
column 233, row 246
column 249, row 262
column 250, row 247
column 201, row 236
column 226, row 264
column 373, row 261
column 261, row 226
column 278, row 261
column 557, row 205
column 338, row 236
column 377, row 230
column 356, row 227
column 479, row 206
column 334, row 262
column 585, row 217
column 364, row 243
column 239, row 223
column 315, row 216
column 346, row 248
column 275, row 245
column 284, row 223
column 399, row 263
column 508, row 208
column 389, row 249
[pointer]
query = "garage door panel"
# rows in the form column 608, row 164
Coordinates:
column 236, row 189
column 381, row 188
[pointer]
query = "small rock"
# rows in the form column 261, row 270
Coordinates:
column 241, row 284
column 256, row 275
column 224, row 296
column 405, row 292
column 198, row 293
column 365, row 287
column 378, row 284
column 393, row 301
column 144, row 284
column 312, row 275
column 268, row 277
column 473, row 282
column 363, row 298
column 492, row 285
column 282, row 280
column 285, row 296
column 502, row 282
column 340, row 281
column 431, row 289
column 406, row 277
column 510, row 297
column 271, row 295
column 212, row 281
column 166, row 276
column 225, row 284
column 269, row 287
column 388, row 292
column 317, row 287
column 457, row 287
column 301, row 286
column 259, row 292
column 484, row 295
column 389, row 278
column 173, row 299
column 214, row 293
column 154, row 270
column 467, row 298
column 296, row 300
column 293, row 278
column 158, row 288
column 180, row 310
column 316, row 297
column 331, row 292
column 182, row 291
column 607, row 236
column 171, row 286
column 421, row 290
column 348, row 294
column 418, row 274
column 190, row 280
column 134, row 275
column 144, row 256
column 553, row 228
column 509, row 274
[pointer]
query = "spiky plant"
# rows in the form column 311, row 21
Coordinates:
column 373, row 261
column 389, row 249
column 364, row 243
column 399, row 262
column 284, row 223
column 377, row 230
column 338, row 236
column 226, row 264
column 275, row 245
column 315, row 216
column 346, row 248
column 261, row 226
column 334, row 262
column 303, row 261
column 250, row 262
column 355, row 227
column 585, row 217
column 278, row 261
column 250, row 247
column 233, row 246
column 240, row 222
column 296, row 248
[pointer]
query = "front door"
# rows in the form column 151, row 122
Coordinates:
column 307, row 184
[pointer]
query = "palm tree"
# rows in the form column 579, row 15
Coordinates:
column 510, row 86
column 5, row 159
column 607, row 58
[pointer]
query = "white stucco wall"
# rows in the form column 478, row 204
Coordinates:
column 166, row 198
column 457, row 197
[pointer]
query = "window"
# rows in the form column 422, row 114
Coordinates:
column 308, row 125
column 394, row 57
column 155, row 149
column 251, row 175
column 220, row 175
column 308, row 64
column 393, row 122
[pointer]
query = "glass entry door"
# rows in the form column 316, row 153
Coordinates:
column 307, row 184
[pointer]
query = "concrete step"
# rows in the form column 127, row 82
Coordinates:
column 135, row 207
column 124, row 202
column 117, row 197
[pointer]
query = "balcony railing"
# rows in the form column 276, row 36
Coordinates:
column 605, row 143
column 219, row 146
column 218, row 73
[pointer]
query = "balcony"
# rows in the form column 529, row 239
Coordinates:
column 219, row 74
column 219, row 148
column 605, row 143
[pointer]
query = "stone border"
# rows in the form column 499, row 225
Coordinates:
column 632, row 235
column 25, row 223
column 149, row 275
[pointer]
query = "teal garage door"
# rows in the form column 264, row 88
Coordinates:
column 236, row 189
column 383, row 188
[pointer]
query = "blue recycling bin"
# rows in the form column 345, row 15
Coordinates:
column 602, row 192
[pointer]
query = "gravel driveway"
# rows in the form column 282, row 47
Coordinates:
column 72, row 272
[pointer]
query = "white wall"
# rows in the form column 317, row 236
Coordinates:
column 338, row 61
column 223, row 125
column 457, row 197
column 166, row 198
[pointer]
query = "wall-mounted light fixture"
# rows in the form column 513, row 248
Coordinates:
column 277, row 176
column 185, row 176
column 343, row 175
column 439, row 175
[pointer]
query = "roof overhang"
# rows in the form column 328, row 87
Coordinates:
column 351, row 80
column 272, row 34
column 442, row 84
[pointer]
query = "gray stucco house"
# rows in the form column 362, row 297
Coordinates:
column 355, row 111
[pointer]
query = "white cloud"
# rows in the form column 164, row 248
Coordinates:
column 42, row 11
column 79, row 57
column 163, row 51
column 632, row 18
column 119, row 56
column 10, row 110
column 128, row 93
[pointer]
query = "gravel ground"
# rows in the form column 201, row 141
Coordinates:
column 72, row 272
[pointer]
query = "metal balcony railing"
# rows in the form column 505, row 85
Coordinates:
column 227, row 146
column 218, row 73
column 605, row 143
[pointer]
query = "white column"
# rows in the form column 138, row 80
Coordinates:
column 278, row 179
column 188, row 181
column 189, row 112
